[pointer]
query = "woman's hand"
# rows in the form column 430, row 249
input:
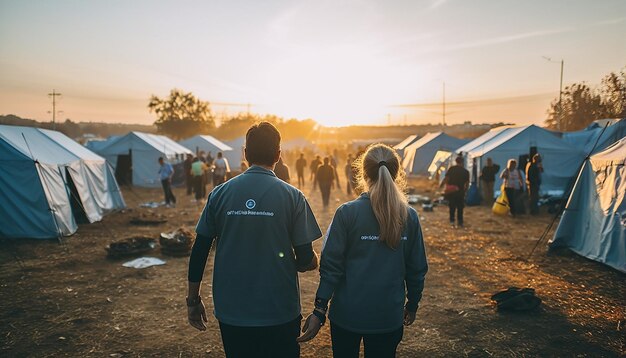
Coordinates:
column 312, row 325
column 409, row 317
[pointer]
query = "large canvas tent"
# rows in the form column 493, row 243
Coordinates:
column 561, row 160
column 235, row 156
column 49, row 183
column 400, row 147
column 595, row 138
column 594, row 221
column 135, row 157
column 419, row 155
column 205, row 143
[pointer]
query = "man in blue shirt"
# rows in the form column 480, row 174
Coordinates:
column 166, row 172
column 264, row 229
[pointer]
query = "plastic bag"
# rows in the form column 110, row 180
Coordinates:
column 501, row 205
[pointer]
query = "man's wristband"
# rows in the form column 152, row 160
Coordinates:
column 321, row 315
column 193, row 301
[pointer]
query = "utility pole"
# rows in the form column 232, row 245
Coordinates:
column 54, row 95
column 444, row 104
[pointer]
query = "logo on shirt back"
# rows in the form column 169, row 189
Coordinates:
column 250, row 204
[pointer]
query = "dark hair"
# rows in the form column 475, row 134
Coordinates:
column 262, row 144
column 459, row 160
column 160, row 158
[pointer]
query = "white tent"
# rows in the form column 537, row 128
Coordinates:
column 49, row 183
column 236, row 156
column 205, row 143
column 400, row 147
column 561, row 160
column 419, row 155
column 138, row 153
column 594, row 221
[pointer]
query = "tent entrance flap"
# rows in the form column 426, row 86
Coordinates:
column 76, row 204
column 124, row 169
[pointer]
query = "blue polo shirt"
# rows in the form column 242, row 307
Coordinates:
column 367, row 280
column 257, row 219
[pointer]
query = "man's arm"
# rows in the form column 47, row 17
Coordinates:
column 306, row 258
column 196, row 313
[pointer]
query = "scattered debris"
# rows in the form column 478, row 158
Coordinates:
column 144, row 262
column 516, row 299
column 177, row 243
column 148, row 219
column 132, row 246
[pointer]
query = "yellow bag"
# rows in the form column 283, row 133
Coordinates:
column 501, row 205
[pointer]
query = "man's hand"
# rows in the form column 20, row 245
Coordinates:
column 409, row 317
column 197, row 316
column 312, row 325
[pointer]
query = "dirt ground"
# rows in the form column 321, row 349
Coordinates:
column 70, row 300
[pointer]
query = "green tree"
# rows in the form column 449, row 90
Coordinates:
column 182, row 115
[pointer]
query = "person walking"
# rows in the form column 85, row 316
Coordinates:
column 513, row 185
column 220, row 169
column 373, row 264
column 534, row 169
column 263, row 229
column 456, row 183
column 333, row 163
column 349, row 174
column 188, row 175
column 166, row 172
column 282, row 171
column 325, row 176
column 487, row 179
column 315, row 163
column 300, row 165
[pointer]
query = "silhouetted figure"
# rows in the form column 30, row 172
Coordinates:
column 487, row 179
column 458, row 177
column 315, row 163
column 325, row 176
column 300, row 165
column 282, row 171
column 533, row 180
column 188, row 176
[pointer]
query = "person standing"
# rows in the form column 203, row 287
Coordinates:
column 300, row 165
column 373, row 264
column 456, row 183
column 209, row 159
column 533, row 182
column 166, row 172
column 315, row 163
column 487, row 179
column 513, row 185
column 264, row 229
column 220, row 169
column 325, row 176
column 188, row 175
column 349, row 174
column 282, row 171
column 333, row 163
column 198, row 170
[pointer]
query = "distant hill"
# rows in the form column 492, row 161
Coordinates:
column 79, row 131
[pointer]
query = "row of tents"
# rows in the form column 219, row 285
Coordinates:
column 592, row 161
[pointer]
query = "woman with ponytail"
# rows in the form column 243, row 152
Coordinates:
column 373, row 263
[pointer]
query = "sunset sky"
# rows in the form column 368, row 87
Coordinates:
column 338, row 62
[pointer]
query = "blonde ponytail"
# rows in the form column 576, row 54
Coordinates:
column 381, row 175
